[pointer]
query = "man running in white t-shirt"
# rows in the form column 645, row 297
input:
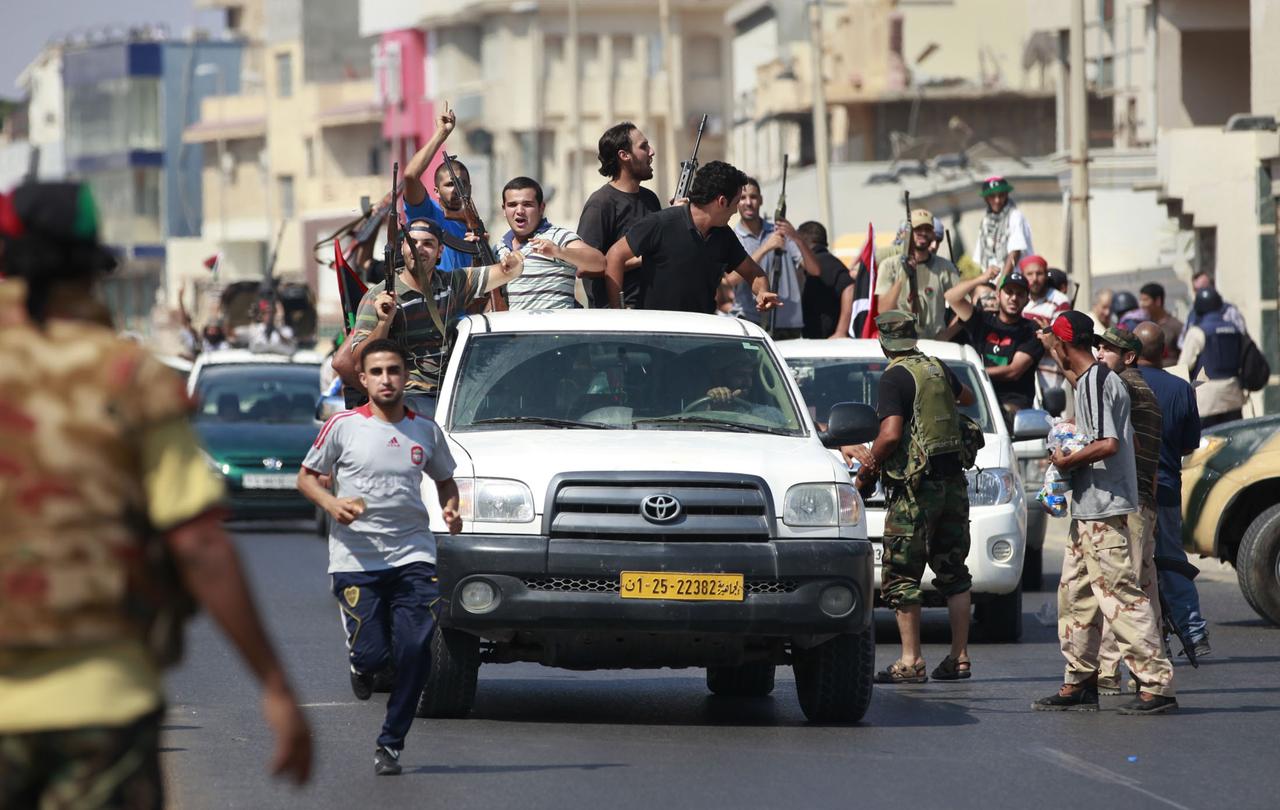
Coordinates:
column 382, row 555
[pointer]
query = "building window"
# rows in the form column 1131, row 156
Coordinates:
column 284, row 75
column 286, row 196
column 309, row 152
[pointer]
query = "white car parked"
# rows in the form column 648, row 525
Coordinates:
column 831, row 371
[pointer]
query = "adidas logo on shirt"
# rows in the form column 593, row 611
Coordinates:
column 393, row 442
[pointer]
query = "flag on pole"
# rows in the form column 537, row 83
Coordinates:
column 211, row 264
column 868, row 304
column 350, row 288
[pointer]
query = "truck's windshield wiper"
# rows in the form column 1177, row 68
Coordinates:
column 691, row 419
column 549, row 421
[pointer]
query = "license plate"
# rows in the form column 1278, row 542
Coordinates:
column 687, row 587
column 269, row 481
column 879, row 549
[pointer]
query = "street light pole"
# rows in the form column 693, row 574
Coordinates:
column 1079, row 119
column 821, row 146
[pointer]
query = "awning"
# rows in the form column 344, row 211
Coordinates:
column 352, row 112
column 228, row 129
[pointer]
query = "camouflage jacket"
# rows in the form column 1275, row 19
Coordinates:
column 74, row 403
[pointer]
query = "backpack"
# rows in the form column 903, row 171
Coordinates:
column 1255, row 371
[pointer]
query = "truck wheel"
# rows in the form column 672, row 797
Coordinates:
column 833, row 680
column 754, row 679
column 1033, row 568
column 451, row 687
column 1000, row 618
column 1258, row 564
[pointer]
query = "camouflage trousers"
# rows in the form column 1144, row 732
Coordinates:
column 927, row 523
column 1142, row 551
column 1100, row 585
column 92, row 768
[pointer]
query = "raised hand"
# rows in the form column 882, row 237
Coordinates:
column 447, row 120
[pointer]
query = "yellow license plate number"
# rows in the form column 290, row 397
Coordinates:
column 686, row 587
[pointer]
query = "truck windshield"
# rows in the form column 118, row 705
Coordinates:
column 824, row 381
column 627, row 381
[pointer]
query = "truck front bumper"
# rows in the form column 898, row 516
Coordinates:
column 573, row 585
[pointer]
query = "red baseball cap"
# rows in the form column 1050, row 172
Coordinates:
column 1032, row 259
column 1074, row 327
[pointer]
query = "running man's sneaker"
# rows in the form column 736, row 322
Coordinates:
column 386, row 761
column 1147, row 703
column 361, row 685
column 1201, row 647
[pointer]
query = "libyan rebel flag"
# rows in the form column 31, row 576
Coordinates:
column 350, row 288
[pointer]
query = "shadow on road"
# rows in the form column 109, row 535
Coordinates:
column 455, row 770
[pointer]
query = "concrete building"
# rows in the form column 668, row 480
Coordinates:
column 532, row 98
column 1195, row 105
column 126, row 102
column 288, row 159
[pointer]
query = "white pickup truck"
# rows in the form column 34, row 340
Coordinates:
column 849, row 370
column 648, row 489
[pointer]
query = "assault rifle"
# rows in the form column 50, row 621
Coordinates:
column 908, row 268
column 484, row 253
column 392, row 248
column 688, row 167
column 780, row 212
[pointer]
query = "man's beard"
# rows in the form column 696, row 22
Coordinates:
column 384, row 402
column 641, row 169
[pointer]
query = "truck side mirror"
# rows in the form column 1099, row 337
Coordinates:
column 850, row 423
column 1031, row 424
column 1054, row 400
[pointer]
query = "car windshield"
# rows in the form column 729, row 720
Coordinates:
column 278, row 392
column 824, row 381
column 601, row 380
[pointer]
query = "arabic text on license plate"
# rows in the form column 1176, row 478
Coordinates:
column 688, row 587
column 879, row 548
column 269, row 481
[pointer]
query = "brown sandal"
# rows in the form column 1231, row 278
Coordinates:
column 952, row 670
column 899, row 672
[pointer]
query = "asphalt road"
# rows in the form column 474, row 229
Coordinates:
column 656, row 739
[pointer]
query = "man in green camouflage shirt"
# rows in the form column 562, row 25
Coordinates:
column 919, row 452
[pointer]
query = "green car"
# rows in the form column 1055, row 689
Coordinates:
column 1231, row 506
column 257, row 420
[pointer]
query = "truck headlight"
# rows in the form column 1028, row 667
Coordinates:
column 495, row 500
column 991, row 487
column 1209, row 447
column 219, row 469
column 822, row 505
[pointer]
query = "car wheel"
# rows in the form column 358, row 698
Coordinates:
column 754, row 679
column 1258, row 564
column 833, row 680
column 1033, row 569
column 1000, row 618
column 450, row 690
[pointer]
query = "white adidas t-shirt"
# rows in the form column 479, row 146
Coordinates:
column 382, row 462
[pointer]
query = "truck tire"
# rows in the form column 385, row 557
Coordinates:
column 1033, row 569
column 833, row 680
column 753, row 679
column 1258, row 565
column 451, row 687
column 1000, row 618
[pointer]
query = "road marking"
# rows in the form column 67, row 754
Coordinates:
column 1098, row 773
column 326, row 705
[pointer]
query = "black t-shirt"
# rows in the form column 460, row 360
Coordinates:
column 898, row 398
column 820, row 301
column 606, row 218
column 682, row 269
column 998, row 342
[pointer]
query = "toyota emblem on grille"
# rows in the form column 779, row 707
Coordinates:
column 660, row 508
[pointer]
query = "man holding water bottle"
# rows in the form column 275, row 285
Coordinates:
column 382, row 554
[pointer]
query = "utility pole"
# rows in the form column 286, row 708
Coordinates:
column 1079, row 112
column 821, row 147
column 668, row 120
column 573, row 198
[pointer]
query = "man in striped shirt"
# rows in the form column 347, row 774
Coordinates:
column 554, row 257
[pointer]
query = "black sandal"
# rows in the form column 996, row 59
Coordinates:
column 952, row 670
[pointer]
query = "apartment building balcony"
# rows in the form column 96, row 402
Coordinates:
column 228, row 118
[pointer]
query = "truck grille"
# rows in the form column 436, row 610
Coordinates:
column 593, row 585
column 708, row 507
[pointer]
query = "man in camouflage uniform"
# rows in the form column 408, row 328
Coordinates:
column 1118, row 350
column 104, row 491
column 919, row 451
column 1099, row 575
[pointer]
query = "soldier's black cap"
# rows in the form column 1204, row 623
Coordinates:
column 51, row 229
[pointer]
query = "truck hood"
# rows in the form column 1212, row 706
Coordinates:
column 535, row 456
